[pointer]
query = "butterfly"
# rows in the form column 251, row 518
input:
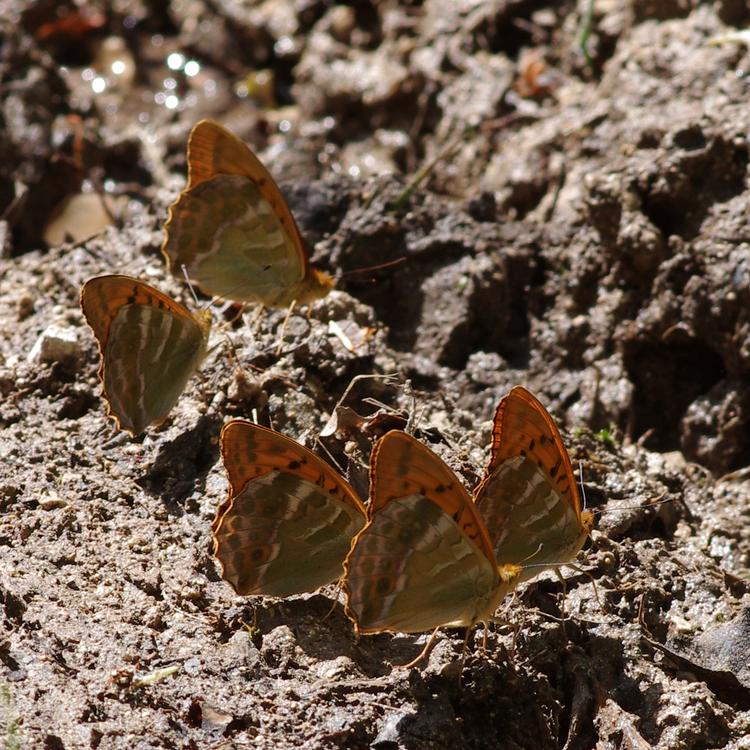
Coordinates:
column 149, row 344
column 289, row 519
column 232, row 230
column 430, row 556
column 528, row 496
column 425, row 558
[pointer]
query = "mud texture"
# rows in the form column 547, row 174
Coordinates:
column 580, row 227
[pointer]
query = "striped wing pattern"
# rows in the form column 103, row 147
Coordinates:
column 289, row 519
column 423, row 559
column 232, row 229
column 150, row 346
column 528, row 497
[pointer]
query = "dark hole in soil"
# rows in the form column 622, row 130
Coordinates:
column 667, row 379
column 708, row 176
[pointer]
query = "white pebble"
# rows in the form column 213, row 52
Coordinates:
column 55, row 344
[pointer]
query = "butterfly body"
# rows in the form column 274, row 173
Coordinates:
column 289, row 519
column 424, row 558
column 232, row 230
column 150, row 346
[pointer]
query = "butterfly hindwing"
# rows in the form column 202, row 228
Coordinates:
column 150, row 346
column 289, row 519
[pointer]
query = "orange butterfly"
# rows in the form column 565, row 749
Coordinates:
column 232, row 230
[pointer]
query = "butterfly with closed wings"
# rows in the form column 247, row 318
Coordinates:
column 231, row 229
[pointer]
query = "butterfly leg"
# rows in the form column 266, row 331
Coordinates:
column 335, row 597
column 564, row 596
column 424, row 652
column 284, row 325
column 254, row 323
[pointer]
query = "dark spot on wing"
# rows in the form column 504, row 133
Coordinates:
column 554, row 469
column 532, row 443
column 440, row 488
column 294, row 465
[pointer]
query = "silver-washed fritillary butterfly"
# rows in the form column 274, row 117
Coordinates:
column 424, row 559
column 232, row 230
column 528, row 496
column 150, row 345
column 430, row 556
column 289, row 519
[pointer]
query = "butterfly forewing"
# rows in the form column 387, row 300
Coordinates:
column 150, row 346
column 213, row 150
column 407, row 467
column 289, row 519
column 231, row 242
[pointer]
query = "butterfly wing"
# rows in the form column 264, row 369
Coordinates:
column 213, row 150
column 528, row 497
column 424, row 558
column 149, row 344
column 233, row 231
column 289, row 520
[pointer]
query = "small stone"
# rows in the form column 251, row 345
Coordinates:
column 55, row 344
column 50, row 502
column 24, row 304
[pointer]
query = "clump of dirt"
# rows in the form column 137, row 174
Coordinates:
column 499, row 205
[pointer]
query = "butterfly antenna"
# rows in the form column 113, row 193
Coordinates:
column 190, row 286
column 533, row 554
column 580, row 481
column 377, row 267
column 660, row 500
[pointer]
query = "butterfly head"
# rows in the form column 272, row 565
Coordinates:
column 587, row 523
column 315, row 286
column 203, row 319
